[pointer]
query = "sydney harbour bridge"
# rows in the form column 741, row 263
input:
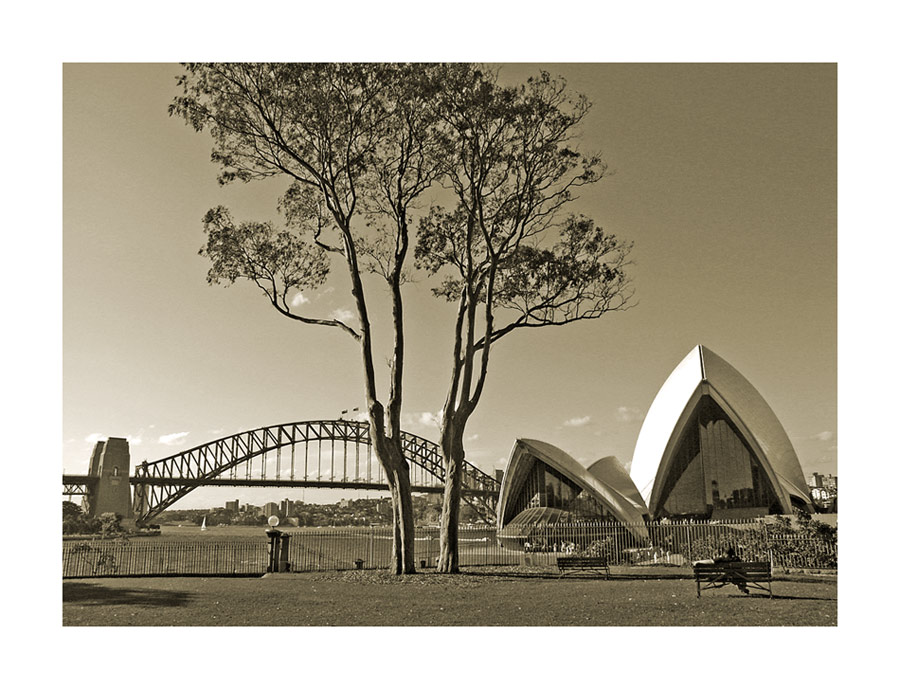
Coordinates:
column 303, row 454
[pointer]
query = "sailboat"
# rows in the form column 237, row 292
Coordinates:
column 203, row 525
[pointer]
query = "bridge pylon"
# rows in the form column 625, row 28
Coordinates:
column 111, row 491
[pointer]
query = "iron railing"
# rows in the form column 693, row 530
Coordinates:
column 181, row 558
column 343, row 548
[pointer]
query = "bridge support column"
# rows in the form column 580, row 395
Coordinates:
column 141, row 502
column 111, row 464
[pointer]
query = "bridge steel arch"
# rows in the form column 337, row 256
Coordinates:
column 228, row 461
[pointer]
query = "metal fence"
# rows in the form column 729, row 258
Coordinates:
column 370, row 548
column 677, row 544
column 138, row 558
column 342, row 548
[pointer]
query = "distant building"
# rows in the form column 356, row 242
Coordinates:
column 711, row 448
column 824, row 492
column 828, row 482
column 287, row 508
column 820, row 495
column 233, row 506
column 271, row 509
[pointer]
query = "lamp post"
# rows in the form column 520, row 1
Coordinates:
column 273, row 535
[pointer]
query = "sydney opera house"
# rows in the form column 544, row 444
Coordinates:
column 709, row 448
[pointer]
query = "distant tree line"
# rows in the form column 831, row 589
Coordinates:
column 362, row 512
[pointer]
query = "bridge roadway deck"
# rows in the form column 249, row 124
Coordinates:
column 70, row 479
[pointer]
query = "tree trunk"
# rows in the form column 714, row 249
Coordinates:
column 454, row 454
column 397, row 473
column 403, row 559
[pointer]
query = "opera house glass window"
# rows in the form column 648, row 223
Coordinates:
column 544, row 486
column 714, row 473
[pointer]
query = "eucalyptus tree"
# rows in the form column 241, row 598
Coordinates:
column 506, row 251
column 357, row 143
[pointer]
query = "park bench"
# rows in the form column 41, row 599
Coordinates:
column 718, row 574
column 583, row 564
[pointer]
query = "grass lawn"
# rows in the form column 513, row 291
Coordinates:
column 475, row 598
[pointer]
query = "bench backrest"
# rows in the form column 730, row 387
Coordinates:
column 746, row 567
column 580, row 560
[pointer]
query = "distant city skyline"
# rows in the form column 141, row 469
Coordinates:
column 724, row 176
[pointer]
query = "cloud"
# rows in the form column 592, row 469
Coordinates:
column 342, row 315
column 426, row 418
column 299, row 299
column 134, row 440
column 578, row 421
column 173, row 438
column 823, row 436
column 420, row 420
column 629, row 414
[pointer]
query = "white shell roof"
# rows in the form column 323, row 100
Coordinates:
column 610, row 471
column 703, row 372
column 606, row 481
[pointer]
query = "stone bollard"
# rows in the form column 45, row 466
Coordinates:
column 283, row 551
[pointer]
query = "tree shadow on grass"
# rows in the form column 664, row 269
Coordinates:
column 775, row 596
column 510, row 575
column 95, row 594
column 582, row 576
column 764, row 595
column 628, row 576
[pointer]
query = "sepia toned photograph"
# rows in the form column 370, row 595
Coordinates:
column 472, row 344
column 483, row 344
column 449, row 344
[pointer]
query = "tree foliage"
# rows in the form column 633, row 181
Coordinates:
column 75, row 521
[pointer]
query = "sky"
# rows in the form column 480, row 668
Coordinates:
column 723, row 175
